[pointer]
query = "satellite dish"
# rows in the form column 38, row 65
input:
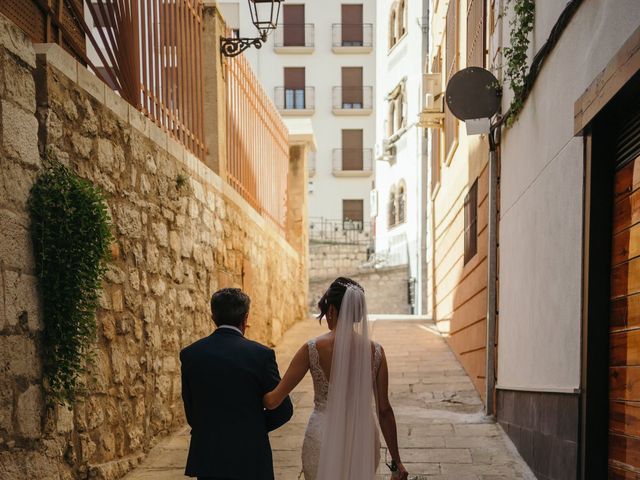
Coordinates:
column 473, row 95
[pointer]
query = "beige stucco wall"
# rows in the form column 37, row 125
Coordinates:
column 174, row 246
column 541, row 199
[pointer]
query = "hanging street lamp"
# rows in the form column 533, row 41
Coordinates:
column 264, row 16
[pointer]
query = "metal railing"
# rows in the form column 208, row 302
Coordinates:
column 339, row 231
column 352, row 35
column 353, row 98
column 295, row 98
column 352, row 160
column 294, row 35
column 257, row 143
column 52, row 21
column 150, row 52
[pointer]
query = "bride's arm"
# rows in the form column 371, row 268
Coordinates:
column 295, row 373
column 386, row 416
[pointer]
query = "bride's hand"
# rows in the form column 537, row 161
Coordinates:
column 269, row 401
column 401, row 473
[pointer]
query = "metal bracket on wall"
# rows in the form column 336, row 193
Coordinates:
column 231, row 47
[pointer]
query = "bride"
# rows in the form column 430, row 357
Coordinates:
column 350, row 381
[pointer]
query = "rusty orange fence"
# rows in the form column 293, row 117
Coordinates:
column 257, row 143
column 149, row 51
column 49, row 21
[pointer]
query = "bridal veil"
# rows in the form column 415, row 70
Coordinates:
column 349, row 444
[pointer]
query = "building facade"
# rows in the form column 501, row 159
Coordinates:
column 399, row 199
column 458, row 186
column 559, row 318
column 320, row 63
column 567, row 360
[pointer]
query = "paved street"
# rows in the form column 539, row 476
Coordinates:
column 442, row 432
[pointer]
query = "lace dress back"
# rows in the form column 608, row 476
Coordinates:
column 313, row 434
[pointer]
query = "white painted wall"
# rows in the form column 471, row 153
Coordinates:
column 404, row 60
column 323, row 71
column 541, row 203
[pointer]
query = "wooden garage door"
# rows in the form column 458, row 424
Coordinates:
column 624, row 340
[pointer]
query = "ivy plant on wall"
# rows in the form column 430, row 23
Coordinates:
column 71, row 234
column 516, row 53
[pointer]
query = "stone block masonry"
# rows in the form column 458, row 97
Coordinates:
column 181, row 233
column 387, row 290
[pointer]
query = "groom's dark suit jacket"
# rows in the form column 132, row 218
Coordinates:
column 224, row 377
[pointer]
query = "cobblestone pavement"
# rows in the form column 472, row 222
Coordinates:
column 443, row 434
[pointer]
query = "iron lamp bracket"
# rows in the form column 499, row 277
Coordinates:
column 231, row 47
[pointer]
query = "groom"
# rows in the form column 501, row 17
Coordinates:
column 224, row 377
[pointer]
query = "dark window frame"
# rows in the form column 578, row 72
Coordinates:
column 352, row 223
column 471, row 223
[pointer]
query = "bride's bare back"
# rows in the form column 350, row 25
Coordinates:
column 324, row 344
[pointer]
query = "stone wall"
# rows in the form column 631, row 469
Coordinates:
column 327, row 259
column 181, row 233
column 386, row 289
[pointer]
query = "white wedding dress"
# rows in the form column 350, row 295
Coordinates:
column 313, row 436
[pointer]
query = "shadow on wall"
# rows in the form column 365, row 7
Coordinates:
column 461, row 264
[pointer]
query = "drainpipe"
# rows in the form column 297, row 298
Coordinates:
column 492, row 259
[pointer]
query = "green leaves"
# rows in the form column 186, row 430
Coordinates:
column 71, row 233
column 516, row 54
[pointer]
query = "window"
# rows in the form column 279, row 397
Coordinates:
column 397, row 207
column 401, row 19
column 391, row 115
column 352, row 28
column 391, row 213
column 293, row 26
column 397, row 109
column 352, row 151
column 475, row 33
column 451, row 67
column 400, row 120
column 393, row 36
column 471, row 223
column 294, row 88
column 352, row 91
column 352, row 214
column 402, row 202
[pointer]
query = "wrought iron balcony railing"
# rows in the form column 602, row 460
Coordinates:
column 352, row 161
column 296, row 36
column 353, row 98
column 339, row 231
column 352, row 36
column 292, row 100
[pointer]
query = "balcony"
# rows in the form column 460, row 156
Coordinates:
column 295, row 101
column 352, row 162
column 348, row 38
column 339, row 231
column 352, row 100
column 294, row 38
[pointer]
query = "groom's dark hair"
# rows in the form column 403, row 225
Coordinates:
column 229, row 306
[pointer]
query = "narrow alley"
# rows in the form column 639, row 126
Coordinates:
column 443, row 433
